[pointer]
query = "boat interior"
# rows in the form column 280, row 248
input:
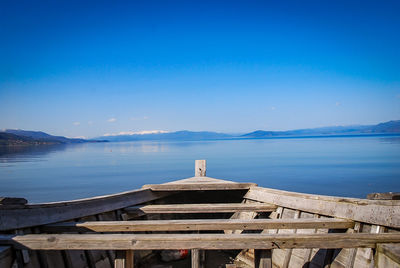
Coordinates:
column 202, row 222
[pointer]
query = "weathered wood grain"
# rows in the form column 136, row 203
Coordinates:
column 288, row 253
column 200, row 168
column 384, row 196
column 380, row 212
column 200, row 208
column 244, row 215
column 388, row 255
column 39, row 214
column 308, row 252
column 262, row 258
column 353, row 251
column 195, row 241
column 124, row 259
column 198, row 186
column 195, row 255
column 208, row 224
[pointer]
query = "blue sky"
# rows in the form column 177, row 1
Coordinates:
column 86, row 68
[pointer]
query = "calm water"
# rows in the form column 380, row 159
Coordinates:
column 333, row 166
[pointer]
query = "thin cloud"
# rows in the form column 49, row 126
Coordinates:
column 338, row 103
column 273, row 108
column 77, row 123
column 111, row 120
column 90, row 123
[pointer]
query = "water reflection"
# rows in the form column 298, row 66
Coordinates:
column 392, row 140
column 28, row 153
column 321, row 165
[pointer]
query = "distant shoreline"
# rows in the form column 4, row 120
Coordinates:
column 45, row 144
column 325, row 136
column 37, row 144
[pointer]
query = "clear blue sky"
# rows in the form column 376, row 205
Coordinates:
column 86, row 68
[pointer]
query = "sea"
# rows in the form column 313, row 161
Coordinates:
column 338, row 166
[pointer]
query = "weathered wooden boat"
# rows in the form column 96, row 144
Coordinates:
column 222, row 223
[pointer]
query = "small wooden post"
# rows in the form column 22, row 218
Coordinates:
column 130, row 261
column 195, row 258
column 200, row 168
column 124, row 259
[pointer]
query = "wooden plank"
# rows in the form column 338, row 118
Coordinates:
column 196, row 241
column 129, row 258
column 124, row 259
column 388, row 253
column 33, row 215
column 192, row 180
column 198, row 186
column 208, row 224
column 200, row 168
column 380, row 212
column 308, row 252
column 243, row 255
column 384, row 196
column 246, row 215
column 353, row 251
column 24, row 253
column 262, row 258
column 102, row 217
column 288, row 253
column 119, row 261
column 195, row 258
column 200, row 208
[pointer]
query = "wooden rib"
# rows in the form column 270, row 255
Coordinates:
column 353, row 251
column 39, row 214
column 308, row 252
column 124, row 259
column 198, row 186
column 262, row 258
column 195, row 258
column 379, row 212
column 288, row 253
column 390, row 251
column 181, row 225
column 201, row 208
column 195, row 241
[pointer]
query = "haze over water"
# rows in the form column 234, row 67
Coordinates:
column 344, row 166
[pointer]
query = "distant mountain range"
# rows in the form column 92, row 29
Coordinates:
column 382, row 128
column 23, row 137
column 178, row 135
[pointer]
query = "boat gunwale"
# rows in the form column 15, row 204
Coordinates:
column 121, row 200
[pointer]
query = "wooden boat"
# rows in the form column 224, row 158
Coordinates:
column 222, row 223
